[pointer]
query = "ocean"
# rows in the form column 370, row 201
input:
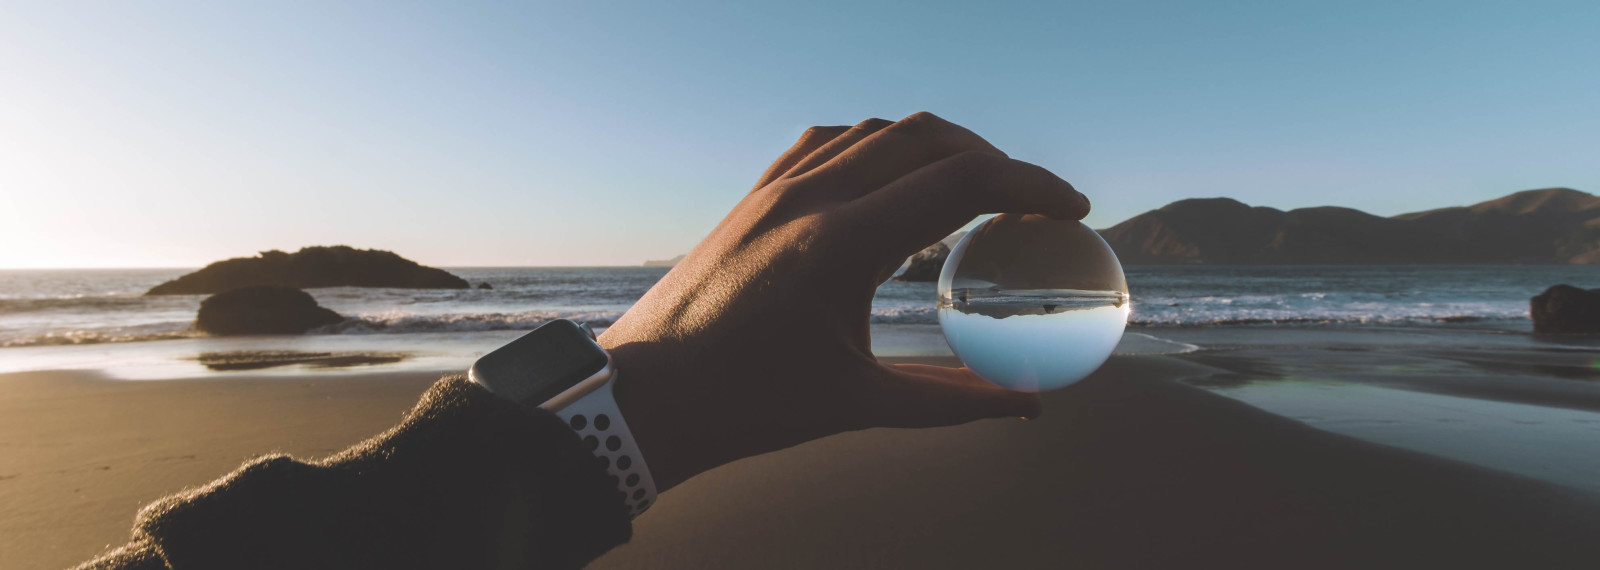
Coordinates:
column 67, row 307
column 1436, row 359
column 100, row 319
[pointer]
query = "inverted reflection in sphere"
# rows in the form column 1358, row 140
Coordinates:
column 1031, row 303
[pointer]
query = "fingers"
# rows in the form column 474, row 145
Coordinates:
column 838, row 145
column 930, row 203
column 890, row 153
column 810, row 141
column 914, row 396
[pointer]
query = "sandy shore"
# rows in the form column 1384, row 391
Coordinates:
column 1128, row 469
column 80, row 455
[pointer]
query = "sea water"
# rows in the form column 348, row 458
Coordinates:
column 99, row 318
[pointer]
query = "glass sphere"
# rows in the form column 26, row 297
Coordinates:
column 1031, row 303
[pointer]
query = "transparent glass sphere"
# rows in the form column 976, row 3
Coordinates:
column 1031, row 303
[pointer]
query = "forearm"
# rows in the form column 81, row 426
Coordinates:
column 467, row 480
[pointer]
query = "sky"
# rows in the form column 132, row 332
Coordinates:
column 173, row 134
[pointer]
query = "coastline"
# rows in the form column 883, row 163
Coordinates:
column 1130, row 468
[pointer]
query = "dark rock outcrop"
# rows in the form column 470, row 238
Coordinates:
column 262, row 309
column 317, row 266
column 1566, row 309
column 925, row 265
column 1549, row 226
column 485, row 285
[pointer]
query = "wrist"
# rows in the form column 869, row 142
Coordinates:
column 654, row 414
column 559, row 368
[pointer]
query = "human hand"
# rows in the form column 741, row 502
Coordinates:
column 758, row 340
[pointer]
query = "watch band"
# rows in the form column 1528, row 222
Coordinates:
column 599, row 423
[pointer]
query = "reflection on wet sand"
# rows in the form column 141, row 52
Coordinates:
column 259, row 359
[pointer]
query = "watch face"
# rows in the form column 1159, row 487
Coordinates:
column 541, row 364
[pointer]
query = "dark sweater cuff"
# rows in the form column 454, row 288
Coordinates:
column 467, row 480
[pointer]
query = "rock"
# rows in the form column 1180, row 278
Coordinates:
column 926, row 264
column 1566, row 309
column 316, row 266
column 262, row 309
column 485, row 285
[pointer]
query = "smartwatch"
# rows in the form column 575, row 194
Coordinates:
column 560, row 368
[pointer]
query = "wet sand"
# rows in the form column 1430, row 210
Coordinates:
column 1131, row 468
column 234, row 360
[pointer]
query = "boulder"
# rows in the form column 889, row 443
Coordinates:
column 262, row 309
column 316, row 266
column 926, row 264
column 1566, row 309
column 485, row 285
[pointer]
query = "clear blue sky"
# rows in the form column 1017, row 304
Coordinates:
column 593, row 133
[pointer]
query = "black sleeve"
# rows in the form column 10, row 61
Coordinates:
column 467, row 480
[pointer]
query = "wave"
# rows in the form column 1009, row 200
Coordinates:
column 1227, row 320
column 407, row 323
column 68, row 338
column 470, row 322
column 905, row 316
column 529, row 320
column 83, row 303
column 402, row 323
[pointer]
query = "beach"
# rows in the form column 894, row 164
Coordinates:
column 1255, row 417
column 1134, row 467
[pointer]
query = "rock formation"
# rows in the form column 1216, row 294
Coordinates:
column 317, row 266
column 1566, row 309
column 925, row 265
column 262, row 309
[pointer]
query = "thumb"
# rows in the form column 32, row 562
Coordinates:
column 912, row 395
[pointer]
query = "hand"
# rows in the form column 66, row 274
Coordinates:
column 758, row 340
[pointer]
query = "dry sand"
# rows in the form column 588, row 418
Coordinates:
column 1129, row 469
column 80, row 455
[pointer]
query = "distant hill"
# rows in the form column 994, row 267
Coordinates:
column 664, row 262
column 1548, row 226
column 316, row 266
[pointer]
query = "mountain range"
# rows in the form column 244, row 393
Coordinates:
column 1546, row 226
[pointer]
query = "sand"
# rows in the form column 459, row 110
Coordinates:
column 1128, row 469
column 80, row 455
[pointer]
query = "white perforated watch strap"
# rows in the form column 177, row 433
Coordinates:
column 599, row 423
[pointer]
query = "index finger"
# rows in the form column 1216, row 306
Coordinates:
column 811, row 140
column 933, row 201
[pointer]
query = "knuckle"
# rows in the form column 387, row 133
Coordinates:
column 924, row 117
column 923, row 123
column 822, row 131
column 873, row 124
